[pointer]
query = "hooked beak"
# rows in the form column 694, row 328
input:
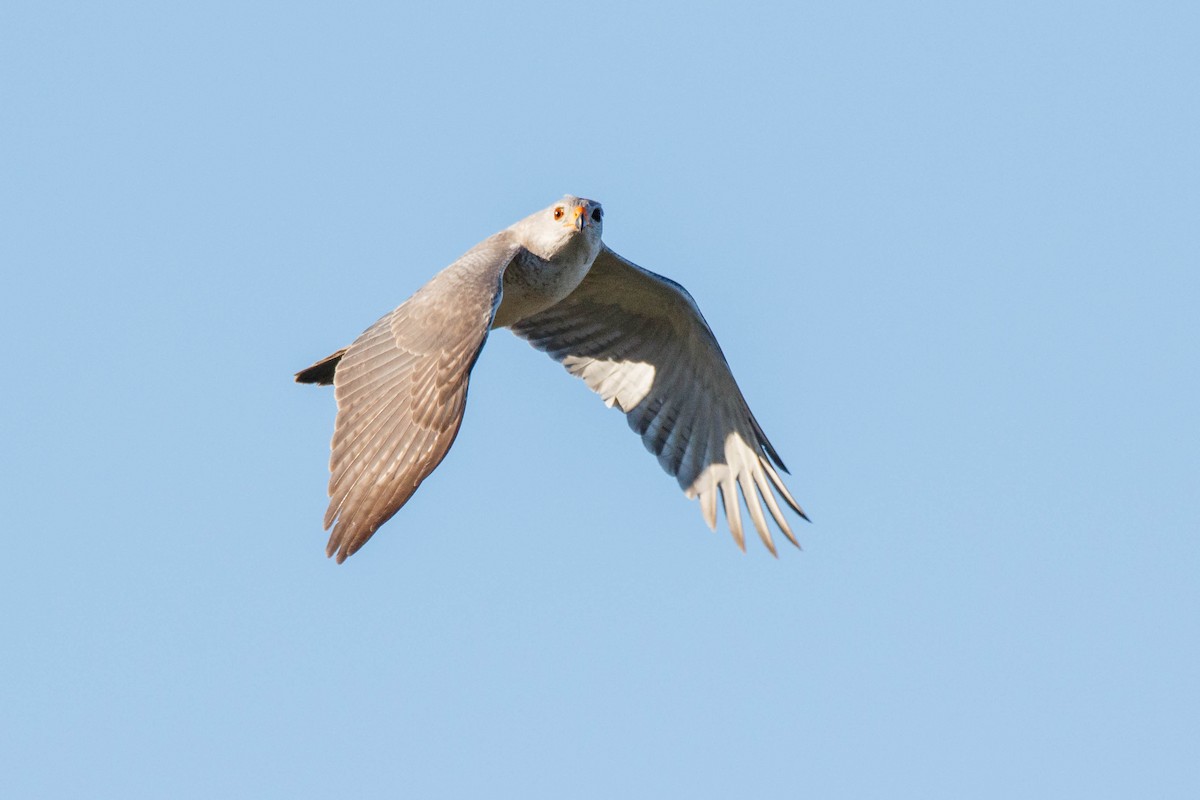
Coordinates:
column 581, row 218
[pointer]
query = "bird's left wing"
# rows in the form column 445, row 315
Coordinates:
column 640, row 342
column 401, row 389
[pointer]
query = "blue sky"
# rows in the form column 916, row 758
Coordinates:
column 949, row 249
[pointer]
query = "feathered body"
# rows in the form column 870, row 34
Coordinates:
column 635, row 338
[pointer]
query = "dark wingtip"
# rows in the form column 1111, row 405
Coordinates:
column 765, row 444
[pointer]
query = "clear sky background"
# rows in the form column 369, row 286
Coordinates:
column 950, row 251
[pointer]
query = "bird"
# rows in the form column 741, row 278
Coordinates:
column 636, row 338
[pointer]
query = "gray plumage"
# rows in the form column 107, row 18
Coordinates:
column 635, row 338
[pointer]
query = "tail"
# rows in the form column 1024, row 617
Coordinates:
column 321, row 373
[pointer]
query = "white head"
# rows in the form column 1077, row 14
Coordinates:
column 570, row 228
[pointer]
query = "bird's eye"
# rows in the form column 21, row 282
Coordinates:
column 558, row 212
column 598, row 215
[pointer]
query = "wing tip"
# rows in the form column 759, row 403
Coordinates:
column 334, row 546
column 341, row 547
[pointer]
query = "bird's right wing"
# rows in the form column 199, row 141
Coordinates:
column 401, row 389
column 640, row 342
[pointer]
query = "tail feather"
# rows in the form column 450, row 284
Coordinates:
column 321, row 373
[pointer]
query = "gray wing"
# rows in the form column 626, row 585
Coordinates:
column 640, row 342
column 401, row 389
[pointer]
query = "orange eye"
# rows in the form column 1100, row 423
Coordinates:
column 558, row 213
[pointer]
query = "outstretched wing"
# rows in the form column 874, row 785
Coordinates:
column 401, row 389
column 639, row 341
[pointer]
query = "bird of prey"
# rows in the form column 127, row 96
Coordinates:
column 637, row 339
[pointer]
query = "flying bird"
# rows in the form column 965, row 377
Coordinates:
column 636, row 338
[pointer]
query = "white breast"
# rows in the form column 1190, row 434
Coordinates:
column 533, row 284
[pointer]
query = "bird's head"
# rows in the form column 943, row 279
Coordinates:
column 571, row 224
